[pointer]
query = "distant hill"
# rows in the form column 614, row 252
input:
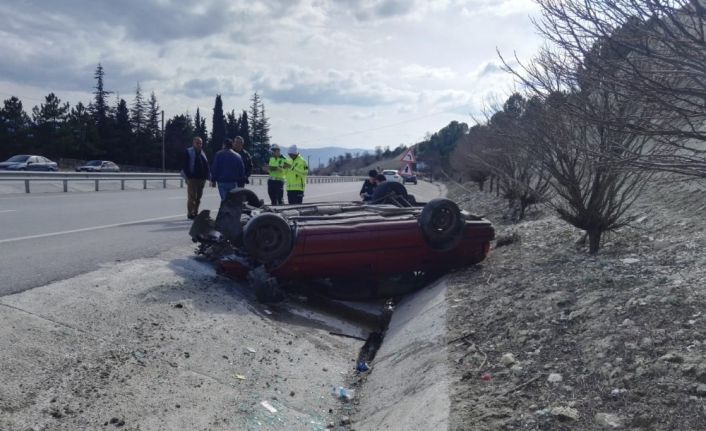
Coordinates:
column 322, row 155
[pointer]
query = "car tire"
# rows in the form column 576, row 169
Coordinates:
column 442, row 223
column 387, row 192
column 267, row 237
column 246, row 195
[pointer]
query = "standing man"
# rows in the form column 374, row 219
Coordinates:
column 238, row 143
column 195, row 171
column 296, row 172
column 275, row 184
column 366, row 192
column 227, row 170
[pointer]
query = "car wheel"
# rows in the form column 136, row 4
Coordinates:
column 441, row 223
column 390, row 192
column 267, row 237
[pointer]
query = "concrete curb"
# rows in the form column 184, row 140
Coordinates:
column 408, row 387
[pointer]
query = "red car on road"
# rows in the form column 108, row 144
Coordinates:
column 393, row 237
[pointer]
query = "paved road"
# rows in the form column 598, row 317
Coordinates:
column 50, row 237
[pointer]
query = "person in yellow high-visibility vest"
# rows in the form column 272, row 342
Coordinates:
column 275, row 184
column 295, row 174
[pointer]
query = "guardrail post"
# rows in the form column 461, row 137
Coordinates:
column 122, row 184
column 26, row 186
column 144, row 184
column 164, row 183
column 181, row 183
column 96, row 184
column 66, row 185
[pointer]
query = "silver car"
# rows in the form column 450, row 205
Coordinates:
column 25, row 162
column 98, row 166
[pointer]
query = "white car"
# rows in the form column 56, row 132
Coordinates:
column 98, row 166
column 392, row 175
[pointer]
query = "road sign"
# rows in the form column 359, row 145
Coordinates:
column 408, row 157
column 407, row 170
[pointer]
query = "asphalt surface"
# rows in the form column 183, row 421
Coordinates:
column 50, row 237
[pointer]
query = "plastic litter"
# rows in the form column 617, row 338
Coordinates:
column 342, row 393
column 486, row 377
column 266, row 404
column 362, row 366
column 251, row 350
column 240, row 377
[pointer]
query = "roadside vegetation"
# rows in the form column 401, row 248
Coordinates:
column 109, row 127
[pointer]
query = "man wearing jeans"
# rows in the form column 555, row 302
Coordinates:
column 227, row 170
column 195, row 171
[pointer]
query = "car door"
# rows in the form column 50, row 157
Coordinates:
column 33, row 164
column 48, row 164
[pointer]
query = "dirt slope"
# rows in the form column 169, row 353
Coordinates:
column 544, row 336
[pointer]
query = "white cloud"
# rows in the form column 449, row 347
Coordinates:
column 335, row 65
column 416, row 71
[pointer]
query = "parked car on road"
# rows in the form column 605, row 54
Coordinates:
column 392, row 175
column 410, row 178
column 338, row 243
column 25, row 162
column 98, row 166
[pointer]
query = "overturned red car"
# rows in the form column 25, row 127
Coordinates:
column 347, row 244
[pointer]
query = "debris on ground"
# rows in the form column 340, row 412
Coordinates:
column 342, row 393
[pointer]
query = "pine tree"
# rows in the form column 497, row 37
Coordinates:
column 100, row 102
column 218, row 130
column 264, row 128
column 244, row 130
column 14, row 128
column 254, row 121
column 178, row 133
column 200, row 126
column 51, row 134
column 153, row 118
column 232, row 125
column 137, row 113
column 259, row 130
column 121, row 145
column 84, row 133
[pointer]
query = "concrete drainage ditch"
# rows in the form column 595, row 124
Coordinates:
column 407, row 386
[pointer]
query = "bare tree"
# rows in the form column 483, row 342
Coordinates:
column 594, row 187
column 509, row 156
column 655, row 53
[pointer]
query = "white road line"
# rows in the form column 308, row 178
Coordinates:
column 87, row 229
column 7, row 211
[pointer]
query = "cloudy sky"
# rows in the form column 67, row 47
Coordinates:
column 351, row 73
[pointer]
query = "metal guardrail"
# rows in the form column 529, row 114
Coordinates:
column 28, row 177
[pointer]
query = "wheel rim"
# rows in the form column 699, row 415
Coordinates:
column 442, row 220
column 268, row 238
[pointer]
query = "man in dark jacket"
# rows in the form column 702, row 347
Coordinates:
column 227, row 170
column 366, row 192
column 195, row 171
column 247, row 158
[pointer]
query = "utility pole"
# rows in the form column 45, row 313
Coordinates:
column 163, row 156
